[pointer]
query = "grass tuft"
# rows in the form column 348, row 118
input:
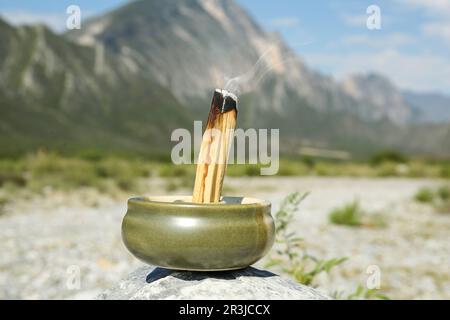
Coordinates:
column 348, row 215
column 353, row 215
column 424, row 195
column 439, row 198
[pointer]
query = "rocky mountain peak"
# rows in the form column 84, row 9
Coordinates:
column 386, row 100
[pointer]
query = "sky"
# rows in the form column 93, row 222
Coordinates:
column 411, row 47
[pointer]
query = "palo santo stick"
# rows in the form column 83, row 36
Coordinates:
column 215, row 147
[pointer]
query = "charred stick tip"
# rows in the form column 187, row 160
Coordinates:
column 227, row 100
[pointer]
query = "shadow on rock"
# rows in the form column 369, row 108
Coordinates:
column 160, row 273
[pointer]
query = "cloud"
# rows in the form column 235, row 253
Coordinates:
column 285, row 22
column 360, row 21
column 355, row 20
column 438, row 30
column 439, row 11
column 374, row 40
column 434, row 7
column 55, row 21
column 421, row 69
column 420, row 72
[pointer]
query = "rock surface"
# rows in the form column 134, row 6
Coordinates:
column 156, row 283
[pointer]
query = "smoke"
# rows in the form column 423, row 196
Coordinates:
column 255, row 74
column 249, row 80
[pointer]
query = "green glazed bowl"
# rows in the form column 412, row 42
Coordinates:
column 173, row 233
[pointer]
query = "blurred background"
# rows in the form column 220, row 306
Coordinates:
column 360, row 91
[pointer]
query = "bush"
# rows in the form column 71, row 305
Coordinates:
column 50, row 170
column 171, row 170
column 388, row 156
column 353, row 215
column 424, row 195
column 125, row 173
column 387, row 169
column 348, row 215
column 439, row 198
column 445, row 171
column 444, row 193
column 361, row 293
column 12, row 172
column 292, row 257
column 252, row 171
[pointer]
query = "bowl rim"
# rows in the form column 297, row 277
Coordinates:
column 232, row 201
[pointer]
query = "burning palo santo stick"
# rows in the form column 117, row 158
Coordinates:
column 215, row 147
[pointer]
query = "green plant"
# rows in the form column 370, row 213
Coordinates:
column 361, row 293
column 444, row 193
column 424, row 195
column 445, row 171
column 171, row 170
column 353, row 215
column 3, row 202
column 388, row 156
column 439, row 198
column 292, row 256
column 252, row 171
column 348, row 215
column 442, row 204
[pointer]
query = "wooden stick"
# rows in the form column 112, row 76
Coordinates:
column 215, row 147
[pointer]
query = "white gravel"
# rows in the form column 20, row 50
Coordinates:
column 69, row 245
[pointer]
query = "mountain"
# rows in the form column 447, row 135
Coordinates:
column 128, row 78
column 387, row 101
column 192, row 46
column 56, row 94
column 429, row 107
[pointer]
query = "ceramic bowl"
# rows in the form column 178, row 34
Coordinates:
column 171, row 232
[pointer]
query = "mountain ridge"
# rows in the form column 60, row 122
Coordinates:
column 178, row 41
column 131, row 76
column 53, row 96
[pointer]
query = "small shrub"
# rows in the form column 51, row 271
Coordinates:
column 252, row 171
column 353, row 215
column 348, row 215
column 442, row 204
column 444, row 193
column 445, row 171
column 286, row 171
column 176, row 171
column 323, row 169
column 361, row 293
column 309, row 161
column 292, row 168
column 424, row 195
column 292, row 256
column 388, row 156
column 439, row 198
column 387, row 169
column 3, row 202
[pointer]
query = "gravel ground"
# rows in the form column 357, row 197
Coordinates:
column 68, row 246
